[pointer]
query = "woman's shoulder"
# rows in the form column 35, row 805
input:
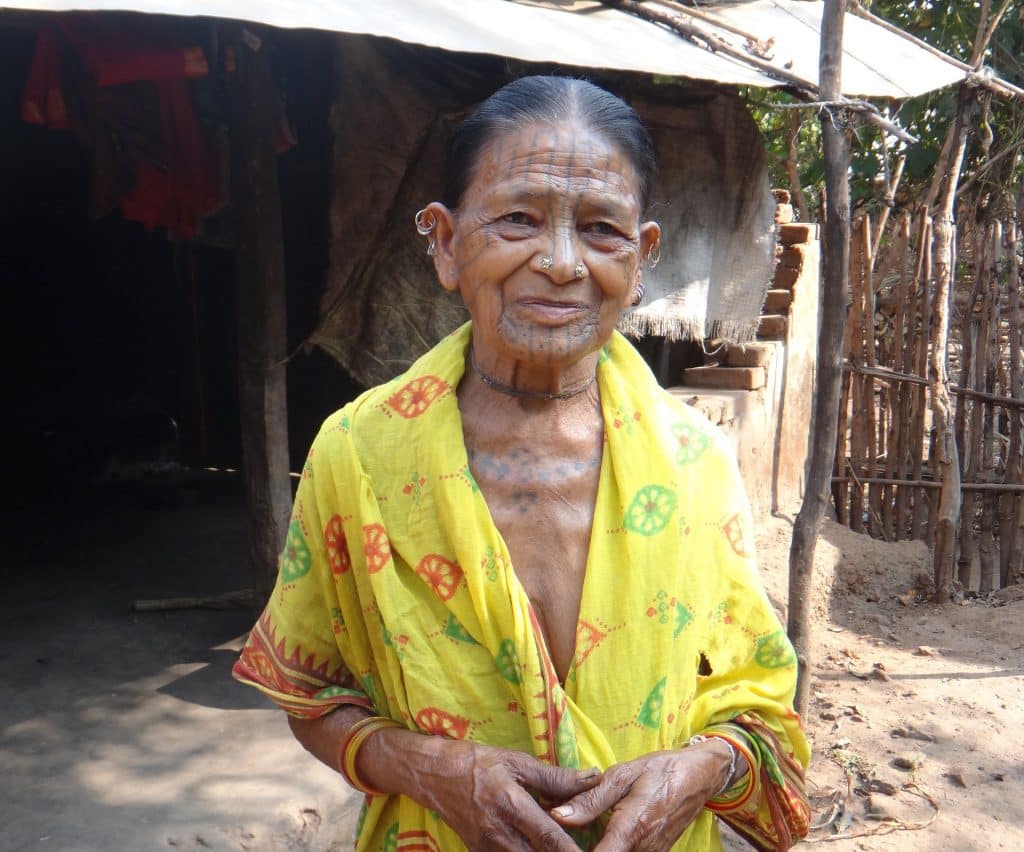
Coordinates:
column 391, row 415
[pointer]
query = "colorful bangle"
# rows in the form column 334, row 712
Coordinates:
column 349, row 751
column 739, row 748
column 734, row 754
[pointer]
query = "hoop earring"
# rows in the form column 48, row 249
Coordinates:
column 425, row 222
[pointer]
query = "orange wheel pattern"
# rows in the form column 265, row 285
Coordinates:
column 337, row 546
column 376, row 547
column 434, row 720
column 442, row 575
column 415, row 397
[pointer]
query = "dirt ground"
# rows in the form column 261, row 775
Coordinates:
column 123, row 731
column 916, row 709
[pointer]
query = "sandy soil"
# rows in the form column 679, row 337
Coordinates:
column 916, row 709
column 123, row 731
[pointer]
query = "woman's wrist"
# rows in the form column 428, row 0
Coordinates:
column 397, row 761
column 733, row 767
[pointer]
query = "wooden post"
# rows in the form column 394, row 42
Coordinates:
column 260, row 307
column 968, row 439
column 988, row 360
column 947, row 462
column 1011, row 539
column 856, row 332
column 919, row 519
column 830, row 339
column 895, row 456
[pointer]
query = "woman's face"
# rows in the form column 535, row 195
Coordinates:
column 546, row 246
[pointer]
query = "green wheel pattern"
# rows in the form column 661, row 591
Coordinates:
column 774, row 651
column 507, row 662
column 391, row 839
column 692, row 443
column 650, row 510
column 296, row 559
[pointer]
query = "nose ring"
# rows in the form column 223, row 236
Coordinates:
column 580, row 270
column 547, row 262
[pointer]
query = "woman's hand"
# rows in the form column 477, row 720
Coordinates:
column 653, row 798
column 480, row 791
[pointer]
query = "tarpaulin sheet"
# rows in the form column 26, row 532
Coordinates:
column 586, row 34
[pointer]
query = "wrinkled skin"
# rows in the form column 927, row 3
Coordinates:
column 567, row 194
column 482, row 792
column 652, row 799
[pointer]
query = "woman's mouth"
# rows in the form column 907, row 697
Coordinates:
column 552, row 311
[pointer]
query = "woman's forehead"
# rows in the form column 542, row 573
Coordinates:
column 554, row 157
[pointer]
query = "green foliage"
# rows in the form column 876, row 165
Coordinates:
column 950, row 26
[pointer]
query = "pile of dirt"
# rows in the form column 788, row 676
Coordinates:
column 848, row 567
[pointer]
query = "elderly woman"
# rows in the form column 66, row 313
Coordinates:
column 517, row 607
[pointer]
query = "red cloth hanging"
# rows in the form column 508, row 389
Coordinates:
column 175, row 170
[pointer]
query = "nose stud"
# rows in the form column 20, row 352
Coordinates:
column 580, row 270
column 547, row 262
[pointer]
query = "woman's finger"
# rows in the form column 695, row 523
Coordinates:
column 587, row 806
column 522, row 814
column 626, row 830
column 555, row 782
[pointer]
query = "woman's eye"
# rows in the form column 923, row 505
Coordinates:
column 517, row 218
column 604, row 229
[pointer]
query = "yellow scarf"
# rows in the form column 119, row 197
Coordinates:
column 395, row 572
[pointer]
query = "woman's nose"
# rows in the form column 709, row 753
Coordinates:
column 562, row 263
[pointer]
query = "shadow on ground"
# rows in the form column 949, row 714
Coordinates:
column 125, row 730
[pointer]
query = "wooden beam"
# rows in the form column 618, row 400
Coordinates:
column 260, row 308
column 824, row 425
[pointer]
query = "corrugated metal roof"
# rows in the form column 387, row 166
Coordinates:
column 586, row 34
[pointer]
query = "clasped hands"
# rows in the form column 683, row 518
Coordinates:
column 484, row 794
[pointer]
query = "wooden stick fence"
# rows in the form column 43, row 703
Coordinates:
column 887, row 477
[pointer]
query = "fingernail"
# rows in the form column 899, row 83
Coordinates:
column 590, row 773
column 563, row 811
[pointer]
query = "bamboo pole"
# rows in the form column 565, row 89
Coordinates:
column 919, row 518
column 931, row 484
column 871, row 448
column 841, row 492
column 987, row 562
column 959, row 390
column 829, row 373
column 901, row 420
column 967, row 440
column 855, row 325
column 1011, row 537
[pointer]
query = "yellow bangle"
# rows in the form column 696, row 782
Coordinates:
column 354, row 739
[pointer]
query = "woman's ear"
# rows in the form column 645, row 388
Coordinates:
column 441, row 239
column 650, row 240
column 650, row 247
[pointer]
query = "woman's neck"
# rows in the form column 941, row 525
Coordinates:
column 524, row 382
